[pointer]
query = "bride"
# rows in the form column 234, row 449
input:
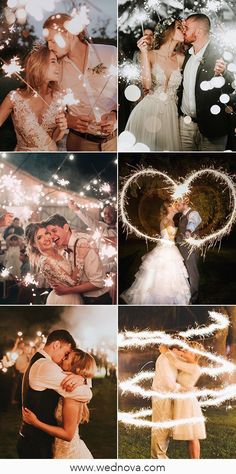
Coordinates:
column 37, row 117
column 162, row 277
column 69, row 413
column 154, row 120
column 44, row 257
column 188, row 374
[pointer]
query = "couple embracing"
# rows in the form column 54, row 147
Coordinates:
column 56, row 390
column 68, row 261
column 169, row 273
column 177, row 370
column 67, row 65
column 182, row 107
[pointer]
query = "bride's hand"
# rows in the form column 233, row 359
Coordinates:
column 72, row 381
column 61, row 122
column 29, row 417
column 142, row 44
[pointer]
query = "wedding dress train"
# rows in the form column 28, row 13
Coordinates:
column 162, row 277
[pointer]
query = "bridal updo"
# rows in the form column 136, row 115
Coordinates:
column 83, row 364
column 36, row 65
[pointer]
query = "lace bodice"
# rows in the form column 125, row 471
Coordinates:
column 169, row 87
column 169, row 233
column 57, row 271
column 32, row 135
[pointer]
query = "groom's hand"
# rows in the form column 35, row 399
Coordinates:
column 188, row 234
column 220, row 67
column 61, row 289
column 108, row 122
column 71, row 382
column 79, row 122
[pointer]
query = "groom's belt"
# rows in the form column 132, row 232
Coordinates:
column 93, row 138
column 194, row 120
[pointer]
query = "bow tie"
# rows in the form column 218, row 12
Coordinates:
column 68, row 251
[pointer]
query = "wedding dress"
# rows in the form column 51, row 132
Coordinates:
column 154, row 121
column 74, row 449
column 59, row 272
column 162, row 277
column 32, row 135
column 188, row 376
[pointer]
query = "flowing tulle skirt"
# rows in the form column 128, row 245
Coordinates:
column 155, row 123
column 74, row 449
column 54, row 299
column 162, row 278
column 188, row 408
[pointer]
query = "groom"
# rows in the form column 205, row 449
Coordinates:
column 201, row 127
column 43, row 383
column 89, row 71
column 188, row 225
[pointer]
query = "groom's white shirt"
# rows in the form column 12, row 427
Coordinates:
column 95, row 91
column 188, row 106
column 165, row 374
column 46, row 374
column 194, row 220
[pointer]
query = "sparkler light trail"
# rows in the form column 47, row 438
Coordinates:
column 178, row 191
column 207, row 397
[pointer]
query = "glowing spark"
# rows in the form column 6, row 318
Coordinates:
column 178, row 191
column 129, row 71
column 20, row 333
column 97, row 235
column 63, row 182
column 5, row 272
column 108, row 282
column 134, row 418
column 13, row 67
column 29, row 280
column 207, row 397
column 79, row 21
column 106, row 188
column 68, row 99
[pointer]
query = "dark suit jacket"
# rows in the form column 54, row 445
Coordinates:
column 211, row 126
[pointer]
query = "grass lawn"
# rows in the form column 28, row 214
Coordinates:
column 100, row 434
column 134, row 443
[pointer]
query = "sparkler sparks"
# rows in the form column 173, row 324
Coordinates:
column 79, row 21
column 29, row 279
column 207, row 397
column 13, row 67
column 178, row 191
column 68, row 99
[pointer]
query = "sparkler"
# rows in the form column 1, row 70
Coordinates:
column 178, row 191
column 5, row 273
column 79, row 21
column 29, row 280
column 129, row 71
column 207, row 397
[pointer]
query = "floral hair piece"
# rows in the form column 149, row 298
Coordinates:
column 164, row 25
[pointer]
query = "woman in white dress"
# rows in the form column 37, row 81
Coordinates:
column 38, row 123
column 69, row 413
column 154, row 121
column 55, row 269
column 162, row 277
column 188, row 374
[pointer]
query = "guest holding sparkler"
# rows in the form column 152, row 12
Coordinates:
column 36, row 109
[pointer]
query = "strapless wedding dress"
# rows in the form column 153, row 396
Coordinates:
column 154, row 121
column 74, row 449
column 162, row 277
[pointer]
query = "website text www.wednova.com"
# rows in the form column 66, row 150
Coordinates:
column 116, row 467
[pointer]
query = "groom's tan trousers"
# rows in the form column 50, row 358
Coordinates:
column 162, row 410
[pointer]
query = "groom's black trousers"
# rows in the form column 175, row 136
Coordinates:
column 33, row 448
column 191, row 263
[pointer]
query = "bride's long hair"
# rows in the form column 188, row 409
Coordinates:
column 83, row 364
column 32, row 251
column 164, row 31
column 36, row 64
column 164, row 209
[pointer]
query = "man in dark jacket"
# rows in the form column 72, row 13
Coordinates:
column 204, row 94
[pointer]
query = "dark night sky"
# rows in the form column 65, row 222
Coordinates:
column 78, row 172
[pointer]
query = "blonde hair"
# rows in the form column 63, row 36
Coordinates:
column 83, row 364
column 36, row 65
column 196, row 345
column 32, row 251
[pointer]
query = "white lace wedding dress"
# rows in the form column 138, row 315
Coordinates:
column 162, row 277
column 74, row 449
column 59, row 272
column 154, row 121
column 32, row 135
